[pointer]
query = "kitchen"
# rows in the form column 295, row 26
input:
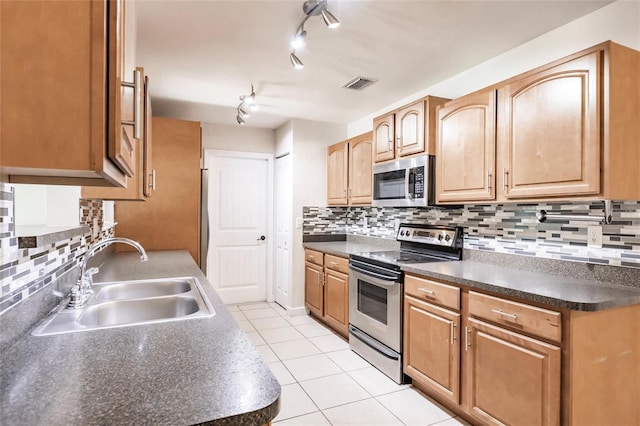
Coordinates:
column 497, row 226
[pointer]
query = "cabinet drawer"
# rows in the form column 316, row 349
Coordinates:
column 336, row 263
column 529, row 319
column 314, row 257
column 432, row 291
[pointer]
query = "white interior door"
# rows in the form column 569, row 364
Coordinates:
column 283, row 214
column 239, row 216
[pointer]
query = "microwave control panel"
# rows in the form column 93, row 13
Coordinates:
column 416, row 182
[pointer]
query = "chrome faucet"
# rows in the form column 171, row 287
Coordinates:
column 82, row 290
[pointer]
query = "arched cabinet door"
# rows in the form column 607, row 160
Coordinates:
column 410, row 129
column 360, row 187
column 465, row 149
column 337, row 174
column 383, row 138
column 549, row 130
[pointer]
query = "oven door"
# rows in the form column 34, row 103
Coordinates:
column 375, row 302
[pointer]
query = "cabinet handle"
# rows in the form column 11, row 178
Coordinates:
column 453, row 332
column 344, row 191
column 399, row 144
column 389, row 146
column 152, row 183
column 506, row 179
column 349, row 192
column 504, row 314
column 489, row 181
column 467, row 331
column 426, row 290
column 311, row 256
column 333, row 263
column 137, row 114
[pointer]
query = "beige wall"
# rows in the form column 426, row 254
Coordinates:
column 238, row 138
column 619, row 22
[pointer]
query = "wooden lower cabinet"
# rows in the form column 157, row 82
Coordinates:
column 336, row 300
column 432, row 347
column 512, row 379
column 313, row 288
column 326, row 289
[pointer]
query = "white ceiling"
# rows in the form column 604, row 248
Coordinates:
column 202, row 55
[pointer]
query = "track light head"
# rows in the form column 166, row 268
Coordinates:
column 300, row 39
column 243, row 112
column 330, row 20
column 295, row 61
column 239, row 119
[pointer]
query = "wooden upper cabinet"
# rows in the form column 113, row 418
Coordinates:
column 384, row 138
column 140, row 186
column 360, row 163
column 550, row 131
column 59, row 115
column 465, row 149
column 410, row 129
column 349, row 171
column 122, row 31
column 337, row 173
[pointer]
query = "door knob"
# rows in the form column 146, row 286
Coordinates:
column 262, row 238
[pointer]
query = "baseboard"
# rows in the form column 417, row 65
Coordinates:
column 296, row 312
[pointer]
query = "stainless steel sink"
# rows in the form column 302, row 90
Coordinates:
column 128, row 303
column 141, row 289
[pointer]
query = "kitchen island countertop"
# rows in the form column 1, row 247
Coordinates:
column 179, row 372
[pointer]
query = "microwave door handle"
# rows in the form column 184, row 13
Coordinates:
column 407, row 194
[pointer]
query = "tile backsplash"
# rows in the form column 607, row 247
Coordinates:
column 25, row 271
column 504, row 228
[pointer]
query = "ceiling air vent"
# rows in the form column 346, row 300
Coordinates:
column 358, row 83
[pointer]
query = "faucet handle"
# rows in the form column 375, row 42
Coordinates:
column 91, row 272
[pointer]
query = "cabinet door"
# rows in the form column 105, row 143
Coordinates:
column 550, row 130
column 360, row 162
column 410, row 129
column 337, row 174
column 512, row 379
column 336, row 300
column 121, row 100
column 140, row 185
column 432, row 347
column 465, row 149
column 383, row 138
column 313, row 288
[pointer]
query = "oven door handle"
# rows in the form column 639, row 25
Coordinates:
column 388, row 280
column 378, row 347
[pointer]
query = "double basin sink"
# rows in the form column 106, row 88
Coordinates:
column 126, row 303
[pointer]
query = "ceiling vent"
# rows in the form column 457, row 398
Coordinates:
column 358, row 83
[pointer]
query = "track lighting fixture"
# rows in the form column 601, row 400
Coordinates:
column 310, row 8
column 295, row 61
column 247, row 104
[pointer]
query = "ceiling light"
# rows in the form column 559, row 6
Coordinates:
column 247, row 103
column 329, row 19
column 299, row 40
column 295, row 61
column 243, row 112
column 310, row 8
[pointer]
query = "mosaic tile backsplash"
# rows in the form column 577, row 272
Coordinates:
column 25, row 271
column 508, row 228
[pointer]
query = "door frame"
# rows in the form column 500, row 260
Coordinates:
column 270, row 245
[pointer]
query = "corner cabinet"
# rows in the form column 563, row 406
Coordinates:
column 568, row 129
column 465, row 159
column 349, row 172
column 67, row 111
column 326, row 286
column 409, row 130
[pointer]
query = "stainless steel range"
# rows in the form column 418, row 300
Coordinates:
column 376, row 291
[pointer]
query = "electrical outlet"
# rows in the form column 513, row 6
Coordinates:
column 364, row 221
column 396, row 225
column 298, row 222
column 594, row 236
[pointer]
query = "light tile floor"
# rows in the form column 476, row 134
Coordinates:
column 323, row 382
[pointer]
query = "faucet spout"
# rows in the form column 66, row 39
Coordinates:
column 81, row 291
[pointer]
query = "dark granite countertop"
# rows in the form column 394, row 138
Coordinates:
column 180, row 372
column 346, row 248
column 556, row 291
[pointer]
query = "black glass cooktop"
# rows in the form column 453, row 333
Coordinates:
column 394, row 257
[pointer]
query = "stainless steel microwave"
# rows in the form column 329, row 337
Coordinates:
column 404, row 183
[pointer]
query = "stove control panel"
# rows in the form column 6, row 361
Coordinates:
column 436, row 236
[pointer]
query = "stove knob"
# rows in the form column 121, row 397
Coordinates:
column 440, row 237
column 447, row 237
column 402, row 233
